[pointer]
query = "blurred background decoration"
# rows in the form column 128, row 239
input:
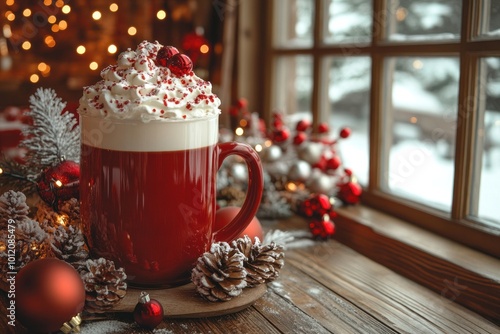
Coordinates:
column 65, row 44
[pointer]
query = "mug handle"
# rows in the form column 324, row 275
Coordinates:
column 254, row 192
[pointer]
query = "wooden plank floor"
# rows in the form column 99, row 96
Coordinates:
column 327, row 288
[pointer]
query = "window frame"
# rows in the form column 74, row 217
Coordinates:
column 455, row 225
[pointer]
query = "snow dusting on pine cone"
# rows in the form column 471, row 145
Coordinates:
column 104, row 285
column 263, row 262
column 219, row 274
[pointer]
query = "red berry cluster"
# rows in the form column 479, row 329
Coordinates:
column 320, row 209
column 179, row 64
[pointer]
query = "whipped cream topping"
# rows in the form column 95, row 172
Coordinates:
column 136, row 88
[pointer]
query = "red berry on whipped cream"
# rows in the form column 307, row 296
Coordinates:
column 164, row 54
column 180, row 64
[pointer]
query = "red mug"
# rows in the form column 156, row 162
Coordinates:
column 148, row 194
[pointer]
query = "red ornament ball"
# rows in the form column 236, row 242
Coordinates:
column 334, row 162
column 302, row 125
column 60, row 182
column 299, row 138
column 164, row 54
column 180, row 64
column 350, row 192
column 323, row 128
column 345, row 132
column 49, row 292
column 148, row 313
column 322, row 229
column 280, row 135
column 225, row 215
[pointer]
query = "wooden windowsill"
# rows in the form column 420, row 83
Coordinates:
column 462, row 275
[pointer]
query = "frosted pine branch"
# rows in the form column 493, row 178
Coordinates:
column 54, row 136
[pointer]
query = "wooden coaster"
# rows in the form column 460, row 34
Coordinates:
column 184, row 302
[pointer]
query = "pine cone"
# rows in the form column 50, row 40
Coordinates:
column 12, row 206
column 71, row 207
column 263, row 262
column 50, row 220
column 219, row 274
column 31, row 244
column 104, row 285
column 69, row 245
column 47, row 217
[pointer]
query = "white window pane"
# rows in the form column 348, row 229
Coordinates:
column 419, row 129
column 293, row 24
column 486, row 181
column 347, row 21
column 348, row 99
column 424, row 19
column 293, row 85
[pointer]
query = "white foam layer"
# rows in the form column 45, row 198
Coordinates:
column 154, row 136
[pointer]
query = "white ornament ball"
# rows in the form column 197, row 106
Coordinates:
column 311, row 152
column 239, row 172
column 300, row 171
column 321, row 183
column 272, row 153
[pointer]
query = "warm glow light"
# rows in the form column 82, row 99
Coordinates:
column 7, row 32
column 93, row 66
column 418, row 64
column 413, row 119
column 27, row 12
column 42, row 66
column 62, row 220
column 204, row 48
column 58, row 183
column 239, row 131
column 401, row 14
column 258, row 148
column 55, row 28
column 10, row 16
column 26, row 45
column 291, row 186
column 268, row 143
column 96, row 15
column 2, row 247
column 161, row 14
column 50, row 41
column 1, row 170
column 63, row 25
column 52, row 19
column 132, row 31
column 9, row 2
column 112, row 49
column 66, row 9
column 59, row 3
column 113, row 7
column 34, row 78
column 47, row 2
column 243, row 122
column 80, row 49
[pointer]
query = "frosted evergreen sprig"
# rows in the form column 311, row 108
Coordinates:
column 54, row 135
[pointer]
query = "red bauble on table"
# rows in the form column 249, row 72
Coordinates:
column 148, row 313
column 49, row 293
column 323, row 128
column 316, row 206
column 345, row 132
column 60, row 182
column 350, row 192
column 323, row 228
column 302, row 125
column 225, row 215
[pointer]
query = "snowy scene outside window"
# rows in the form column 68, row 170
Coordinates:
column 420, row 92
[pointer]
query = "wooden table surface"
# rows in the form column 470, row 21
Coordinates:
column 325, row 287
